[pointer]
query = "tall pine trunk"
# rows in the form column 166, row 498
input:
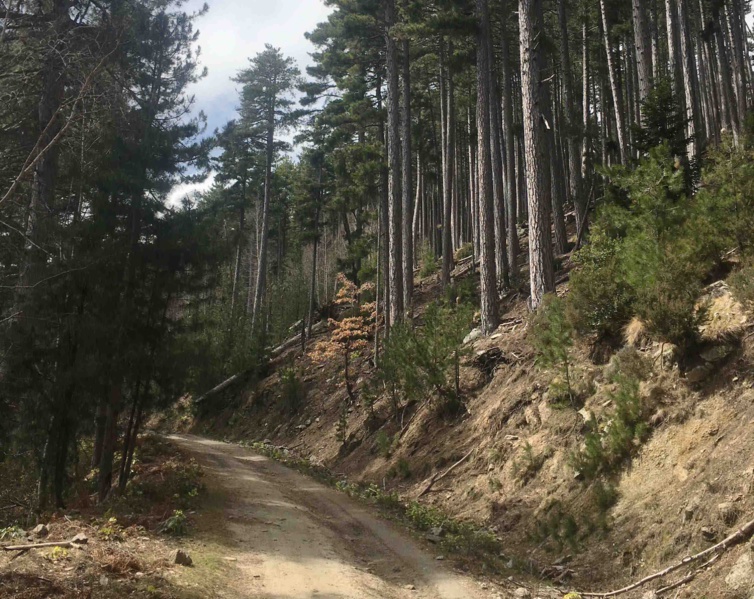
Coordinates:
column 407, row 181
column 395, row 219
column 488, row 278
column 535, row 99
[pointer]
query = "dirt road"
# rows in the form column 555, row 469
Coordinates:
column 289, row 537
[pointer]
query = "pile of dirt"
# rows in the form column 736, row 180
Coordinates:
column 686, row 487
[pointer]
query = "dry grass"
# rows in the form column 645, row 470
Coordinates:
column 635, row 334
column 726, row 318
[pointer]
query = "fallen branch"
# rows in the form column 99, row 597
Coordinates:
column 741, row 535
column 38, row 545
column 689, row 577
column 435, row 478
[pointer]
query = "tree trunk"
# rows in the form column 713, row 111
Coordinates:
column 501, row 255
column 535, row 98
column 259, row 288
column 617, row 100
column 447, row 93
column 511, row 213
column 571, row 119
column 407, row 182
column 488, row 279
column 690, row 80
column 395, row 218
column 239, row 250
column 643, row 48
column 383, row 214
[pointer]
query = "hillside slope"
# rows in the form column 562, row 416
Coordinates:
column 688, row 486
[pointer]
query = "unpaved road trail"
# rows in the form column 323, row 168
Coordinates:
column 286, row 536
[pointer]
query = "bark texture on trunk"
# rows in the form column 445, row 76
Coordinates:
column 407, row 182
column 488, row 278
column 395, row 220
column 535, row 99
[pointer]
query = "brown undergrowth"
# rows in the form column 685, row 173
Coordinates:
column 130, row 536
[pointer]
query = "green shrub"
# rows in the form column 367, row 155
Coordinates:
column 651, row 249
column 422, row 363
column 607, row 449
column 429, row 262
column 403, row 469
column 176, row 525
column 600, row 302
column 727, row 196
column 553, row 338
column 292, row 389
column 461, row 291
column 558, row 525
column 630, row 362
column 384, row 444
column 465, row 251
column 742, row 285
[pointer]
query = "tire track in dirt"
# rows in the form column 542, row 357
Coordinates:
column 291, row 537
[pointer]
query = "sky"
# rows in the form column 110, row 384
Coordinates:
column 232, row 32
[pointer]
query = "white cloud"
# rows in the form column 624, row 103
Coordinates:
column 189, row 190
column 232, row 32
column 235, row 30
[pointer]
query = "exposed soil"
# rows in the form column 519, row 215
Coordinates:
column 687, row 486
column 287, row 536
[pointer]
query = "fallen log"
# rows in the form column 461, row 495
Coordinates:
column 295, row 340
column 224, row 385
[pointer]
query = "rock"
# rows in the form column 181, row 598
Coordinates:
column 309, row 422
column 301, row 427
column 181, row 558
column 690, row 509
column 103, row 580
column 40, row 530
column 531, row 415
column 649, row 595
column 139, row 575
column 522, row 593
column 717, row 353
column 741, row 576
column 80, row 539
column 410, row 587
column 708, row 533
column 699, row 374
column 440, row 558
column 435, row 534
column 728, row 513
column 472, row 336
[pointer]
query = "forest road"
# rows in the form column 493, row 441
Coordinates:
column 288, row 537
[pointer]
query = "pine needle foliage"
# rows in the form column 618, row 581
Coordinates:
column 651, row 248
column 553, row 338
column 422, row 363
column 607, row 447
